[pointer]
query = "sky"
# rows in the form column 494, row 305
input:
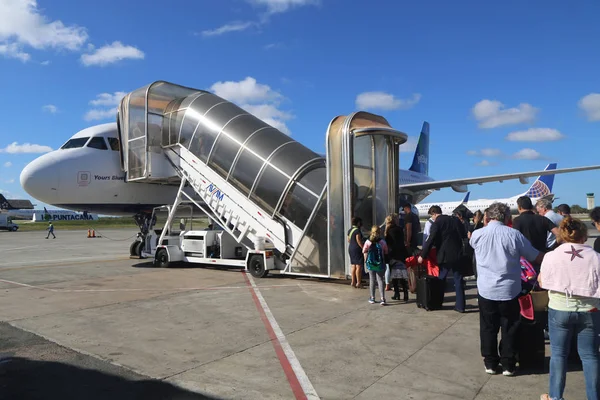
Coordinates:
column 506, row 86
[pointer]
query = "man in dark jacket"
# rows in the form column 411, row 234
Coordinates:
column 447, row 235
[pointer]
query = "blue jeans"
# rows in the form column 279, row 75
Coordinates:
column 563, row 325
column 445, row 269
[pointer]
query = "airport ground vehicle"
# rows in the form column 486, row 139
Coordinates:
column 212, row 246
column 7, row 224
column 281, row 202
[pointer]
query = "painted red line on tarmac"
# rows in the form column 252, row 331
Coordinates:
column 285, row 363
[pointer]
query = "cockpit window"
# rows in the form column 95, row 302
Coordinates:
column 114, row 143
column 75, row 143
column 97, row 143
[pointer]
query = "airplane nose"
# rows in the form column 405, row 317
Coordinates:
column 40, row 178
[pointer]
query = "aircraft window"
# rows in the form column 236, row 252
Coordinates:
column 75, row 143
column 114, row 143
column 97, row 143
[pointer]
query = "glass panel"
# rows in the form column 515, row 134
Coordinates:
column 315, row 179
column 137, row 114
column 155, row 123
column 222, row 113
column 363, row 180
column 113, row 143
column 291, row 157
column 75, row 143
column 97, row 143
column 298, row 205
column 266, row 140
column 223, row 154
column 269, row 188
column 382, row 179
column 137, row 154
column 204, row 137
column 311, row 256
column 243, row 126
column 161, row 94
column 190, row 121
column 337, row 232
column 176, row 119
column 245, row 171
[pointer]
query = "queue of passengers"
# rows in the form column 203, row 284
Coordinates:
column 562, row 266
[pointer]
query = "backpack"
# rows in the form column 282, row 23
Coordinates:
column 374, row 257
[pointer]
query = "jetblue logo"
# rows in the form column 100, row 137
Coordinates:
column 422, row 159
column 215, row 191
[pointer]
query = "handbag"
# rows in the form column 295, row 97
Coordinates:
column 540, row 300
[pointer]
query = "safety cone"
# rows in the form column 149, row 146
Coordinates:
column 93, row 233
column 89, row 233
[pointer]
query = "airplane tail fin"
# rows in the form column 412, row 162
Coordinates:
column 466, row 199
column 542, row 186
column 420, row 162
column 4, row 204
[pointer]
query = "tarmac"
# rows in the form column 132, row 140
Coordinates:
column 80, row 319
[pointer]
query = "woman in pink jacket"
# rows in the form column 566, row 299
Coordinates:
column 571, row 274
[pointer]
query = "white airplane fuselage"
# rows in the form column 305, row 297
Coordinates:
column 90, row 179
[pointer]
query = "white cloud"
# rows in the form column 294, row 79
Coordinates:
column 384, row 101
column 111, row 53
column 105, row 106
column 410, row 145
column 535, row 135
column 244, row 91
column 10, row 181
column 484, row 163
column 23, row 25
column 527, row 154
column 272, row 46
column 8, row 164
column 13, row 50
column 590, row 104
column 272, row 7
column 15, row 148
column 44, row 63
column 281, row 6
column 492, row 114
column 487, row 152
column 51, row 108
column 235, row 26
column 256, row 98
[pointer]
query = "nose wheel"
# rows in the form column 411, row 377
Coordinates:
column 135, row 250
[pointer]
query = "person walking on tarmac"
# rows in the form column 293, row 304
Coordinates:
column 50, row 230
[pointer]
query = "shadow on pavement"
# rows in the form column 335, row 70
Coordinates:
column 25, row 379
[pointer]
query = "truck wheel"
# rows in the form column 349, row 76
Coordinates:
column 133, row 249
column 256, row 266
column 161, row 259
column 14, row 228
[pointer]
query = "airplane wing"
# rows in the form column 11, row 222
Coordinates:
column 460, row 185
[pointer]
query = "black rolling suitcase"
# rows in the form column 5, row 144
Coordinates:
column 531, row 345
column 429, row 290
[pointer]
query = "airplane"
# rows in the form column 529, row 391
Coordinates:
column 85, row 174
column 51, row 215
column 447, row 206
column 540, row 189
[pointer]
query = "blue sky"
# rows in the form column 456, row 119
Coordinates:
column 480, row 73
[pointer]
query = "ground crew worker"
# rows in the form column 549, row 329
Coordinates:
column 50, row 230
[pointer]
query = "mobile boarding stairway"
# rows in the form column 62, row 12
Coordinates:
column 267, row 191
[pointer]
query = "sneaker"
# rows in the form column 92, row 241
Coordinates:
column 383, row 303
column 372, row 300
column 507, row 372
column 491, row 371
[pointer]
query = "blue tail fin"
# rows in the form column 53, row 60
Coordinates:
column 466, row 199
column 420, row 162
column 542, row 185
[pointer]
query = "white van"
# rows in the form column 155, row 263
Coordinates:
column 7, row 224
